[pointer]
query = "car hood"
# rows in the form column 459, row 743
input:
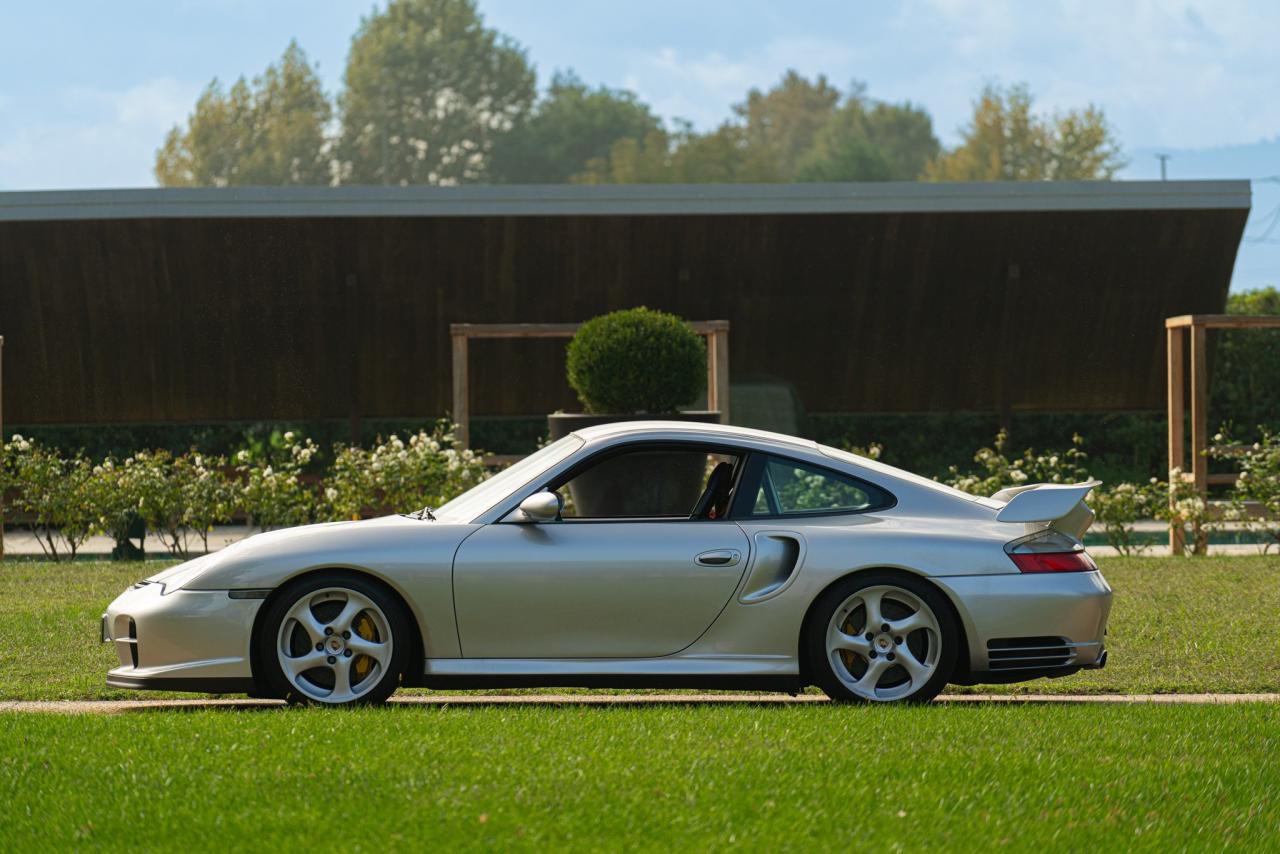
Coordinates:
column 266, row 560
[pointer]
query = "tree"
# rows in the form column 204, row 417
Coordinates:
column 764, row 141
column 871, row 141
column 270, row 133
column 1006, row 141
column 1245, row 393
column 779, row 126
column 798, row 130
column 572, row 125
column 680, row 156
column 429, row 89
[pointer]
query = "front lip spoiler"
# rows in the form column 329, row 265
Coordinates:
column 195, row 685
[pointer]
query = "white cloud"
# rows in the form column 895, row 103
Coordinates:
column 93, row 137
column 1173, row 74
column 702, row 88
column 1184, row 74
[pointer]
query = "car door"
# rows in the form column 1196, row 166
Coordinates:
column 625, row 574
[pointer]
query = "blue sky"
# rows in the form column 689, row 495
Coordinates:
column 87, row 89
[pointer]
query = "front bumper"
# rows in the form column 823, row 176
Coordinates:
column 1021, row 626
column 184, row 640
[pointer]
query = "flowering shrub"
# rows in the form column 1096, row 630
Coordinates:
column 1259, row 481
column 55, row 492
column 1187, row 507
column 274, row 492
column 997, row 472
column 1119, row 507
column 400, row 476
column 67, row 498
column 119, row 491
column 872, row 451
column 349, row 489
column 207, row 494
column 186, row 495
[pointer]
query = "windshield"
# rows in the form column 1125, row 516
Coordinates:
column 477, row 500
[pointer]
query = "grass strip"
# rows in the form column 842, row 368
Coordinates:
column 798, row 777
column 1178, row 625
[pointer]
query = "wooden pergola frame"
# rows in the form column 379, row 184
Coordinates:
column 1177, row 329
column 715, row 331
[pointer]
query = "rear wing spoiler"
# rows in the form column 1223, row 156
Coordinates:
column 1048, row 505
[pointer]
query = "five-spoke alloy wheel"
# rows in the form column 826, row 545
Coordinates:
column 882, row 637
column 334, row 639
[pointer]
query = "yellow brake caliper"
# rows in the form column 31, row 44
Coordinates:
column 366, row 630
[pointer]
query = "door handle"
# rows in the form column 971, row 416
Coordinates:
column 719, row 557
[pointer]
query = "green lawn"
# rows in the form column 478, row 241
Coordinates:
column 1178, row 625
column 661, row 777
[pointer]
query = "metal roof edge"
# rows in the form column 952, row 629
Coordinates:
column 622, row 200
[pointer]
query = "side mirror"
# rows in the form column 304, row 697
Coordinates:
column 543, row 506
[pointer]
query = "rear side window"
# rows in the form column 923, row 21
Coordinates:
column 791, row 488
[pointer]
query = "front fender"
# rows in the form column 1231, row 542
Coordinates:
column 414, row 558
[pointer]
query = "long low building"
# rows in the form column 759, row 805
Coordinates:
column 207, row 305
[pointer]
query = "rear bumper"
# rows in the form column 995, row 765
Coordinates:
column 1023, row 626
column 184, row 640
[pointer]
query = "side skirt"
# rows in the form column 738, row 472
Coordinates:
column 774, row 684
column 728, row 672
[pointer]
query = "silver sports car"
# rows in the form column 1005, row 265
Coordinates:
column 641, row 554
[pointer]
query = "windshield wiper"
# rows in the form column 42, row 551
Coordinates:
column 424, row 513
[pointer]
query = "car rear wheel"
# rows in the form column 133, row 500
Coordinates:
column 334, row 639
column 881, row 637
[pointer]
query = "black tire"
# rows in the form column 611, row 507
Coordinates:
column 822, row 661
column 397, row 624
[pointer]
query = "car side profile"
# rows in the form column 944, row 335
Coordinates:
column 641, row 554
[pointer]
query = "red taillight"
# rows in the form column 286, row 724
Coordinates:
column 1053, row 561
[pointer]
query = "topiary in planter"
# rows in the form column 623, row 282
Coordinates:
column 637, row 360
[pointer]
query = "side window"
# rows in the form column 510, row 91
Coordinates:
column 653, row 481
column 789, row 487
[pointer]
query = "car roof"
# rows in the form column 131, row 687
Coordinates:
column 697, row 429
column 727, row 432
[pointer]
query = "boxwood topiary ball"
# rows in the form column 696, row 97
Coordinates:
column 637, row 361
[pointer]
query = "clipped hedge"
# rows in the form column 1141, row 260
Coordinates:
column 637, row 361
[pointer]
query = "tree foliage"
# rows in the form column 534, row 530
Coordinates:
column 801, row 129
column 428, row 90
column 778, row 127
column 572, row 125
column 1007, row 141
column 268, row 132
column 871, row 141
column 1246, row 377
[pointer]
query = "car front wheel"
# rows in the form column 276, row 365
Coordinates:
column 334, row 639
column 881, row 637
